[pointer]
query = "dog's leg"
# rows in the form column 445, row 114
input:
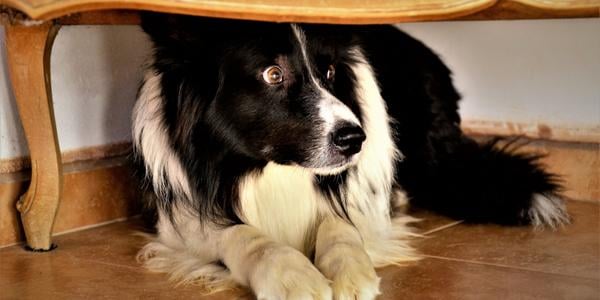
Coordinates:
column 341, row 257
column 272, row 270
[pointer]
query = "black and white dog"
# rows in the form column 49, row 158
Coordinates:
column 278, row 153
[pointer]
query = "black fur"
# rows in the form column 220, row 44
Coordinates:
column 443, row 169
column 332, row 187
column 221, row 131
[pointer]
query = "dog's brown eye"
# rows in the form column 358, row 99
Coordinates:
column 330, row 72
column 273, row 75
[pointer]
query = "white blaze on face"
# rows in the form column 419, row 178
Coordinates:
column 331, row 109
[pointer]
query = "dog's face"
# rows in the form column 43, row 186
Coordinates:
column 288, row 96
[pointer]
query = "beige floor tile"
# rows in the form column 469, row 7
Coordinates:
column 443, row 279
column 573, row 250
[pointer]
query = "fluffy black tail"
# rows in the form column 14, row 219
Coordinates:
column 491, row 182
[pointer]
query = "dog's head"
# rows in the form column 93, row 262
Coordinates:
column 278, row 92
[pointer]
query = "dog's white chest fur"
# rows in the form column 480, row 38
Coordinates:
column 282, row 201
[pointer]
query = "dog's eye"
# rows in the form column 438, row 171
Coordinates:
column 330, row 72
column 273, row 75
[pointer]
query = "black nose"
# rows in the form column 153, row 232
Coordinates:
column 348, row 138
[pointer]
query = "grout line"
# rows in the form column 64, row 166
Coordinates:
column 89, row 260
column 10, row 245
column 92, row 226
column 442, row 227
column 503, row 266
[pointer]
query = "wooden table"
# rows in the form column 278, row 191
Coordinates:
column 31, row 26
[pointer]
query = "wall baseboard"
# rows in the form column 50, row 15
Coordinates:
column 93, row 193
column 533, row 131
column 16, row 164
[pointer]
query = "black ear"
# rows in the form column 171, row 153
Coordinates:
column 182, row 43
column 170, row 28
column 181, row 29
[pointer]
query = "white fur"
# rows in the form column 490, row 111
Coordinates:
column 150, row 137
column 282, row 202
column 548, row 210
column 301, row 38
column 385, row 238
column 271, row 269
column 189, row 251
column 341, row 256
column 186, row 250
column 332, row 111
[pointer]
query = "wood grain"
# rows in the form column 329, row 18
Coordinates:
column 28, row 52
column 519, row 10
column 316, row 11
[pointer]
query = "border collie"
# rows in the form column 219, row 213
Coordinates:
column 279, row 152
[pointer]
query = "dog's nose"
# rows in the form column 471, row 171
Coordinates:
column 348, row 138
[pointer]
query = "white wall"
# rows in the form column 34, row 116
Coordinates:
column 522, row 71
column 95, row 75
column 517, row 71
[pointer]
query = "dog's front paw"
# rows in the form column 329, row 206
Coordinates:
column 351, row 272
column 284, row 273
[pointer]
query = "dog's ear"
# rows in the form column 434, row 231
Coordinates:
column 169, row 28
column 181, row 29
column 181, row 40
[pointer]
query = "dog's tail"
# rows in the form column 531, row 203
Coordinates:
column 491, row 182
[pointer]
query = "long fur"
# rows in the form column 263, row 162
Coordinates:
column 249, row 186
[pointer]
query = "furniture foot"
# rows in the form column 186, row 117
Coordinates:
column 28, row 50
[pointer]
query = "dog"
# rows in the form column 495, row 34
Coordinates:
column 279, row 154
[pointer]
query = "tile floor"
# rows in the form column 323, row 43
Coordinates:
column 460, row 262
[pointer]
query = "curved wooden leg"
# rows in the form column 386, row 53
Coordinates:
column 28, row 49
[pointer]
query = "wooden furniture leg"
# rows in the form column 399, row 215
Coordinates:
column 28, row 49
